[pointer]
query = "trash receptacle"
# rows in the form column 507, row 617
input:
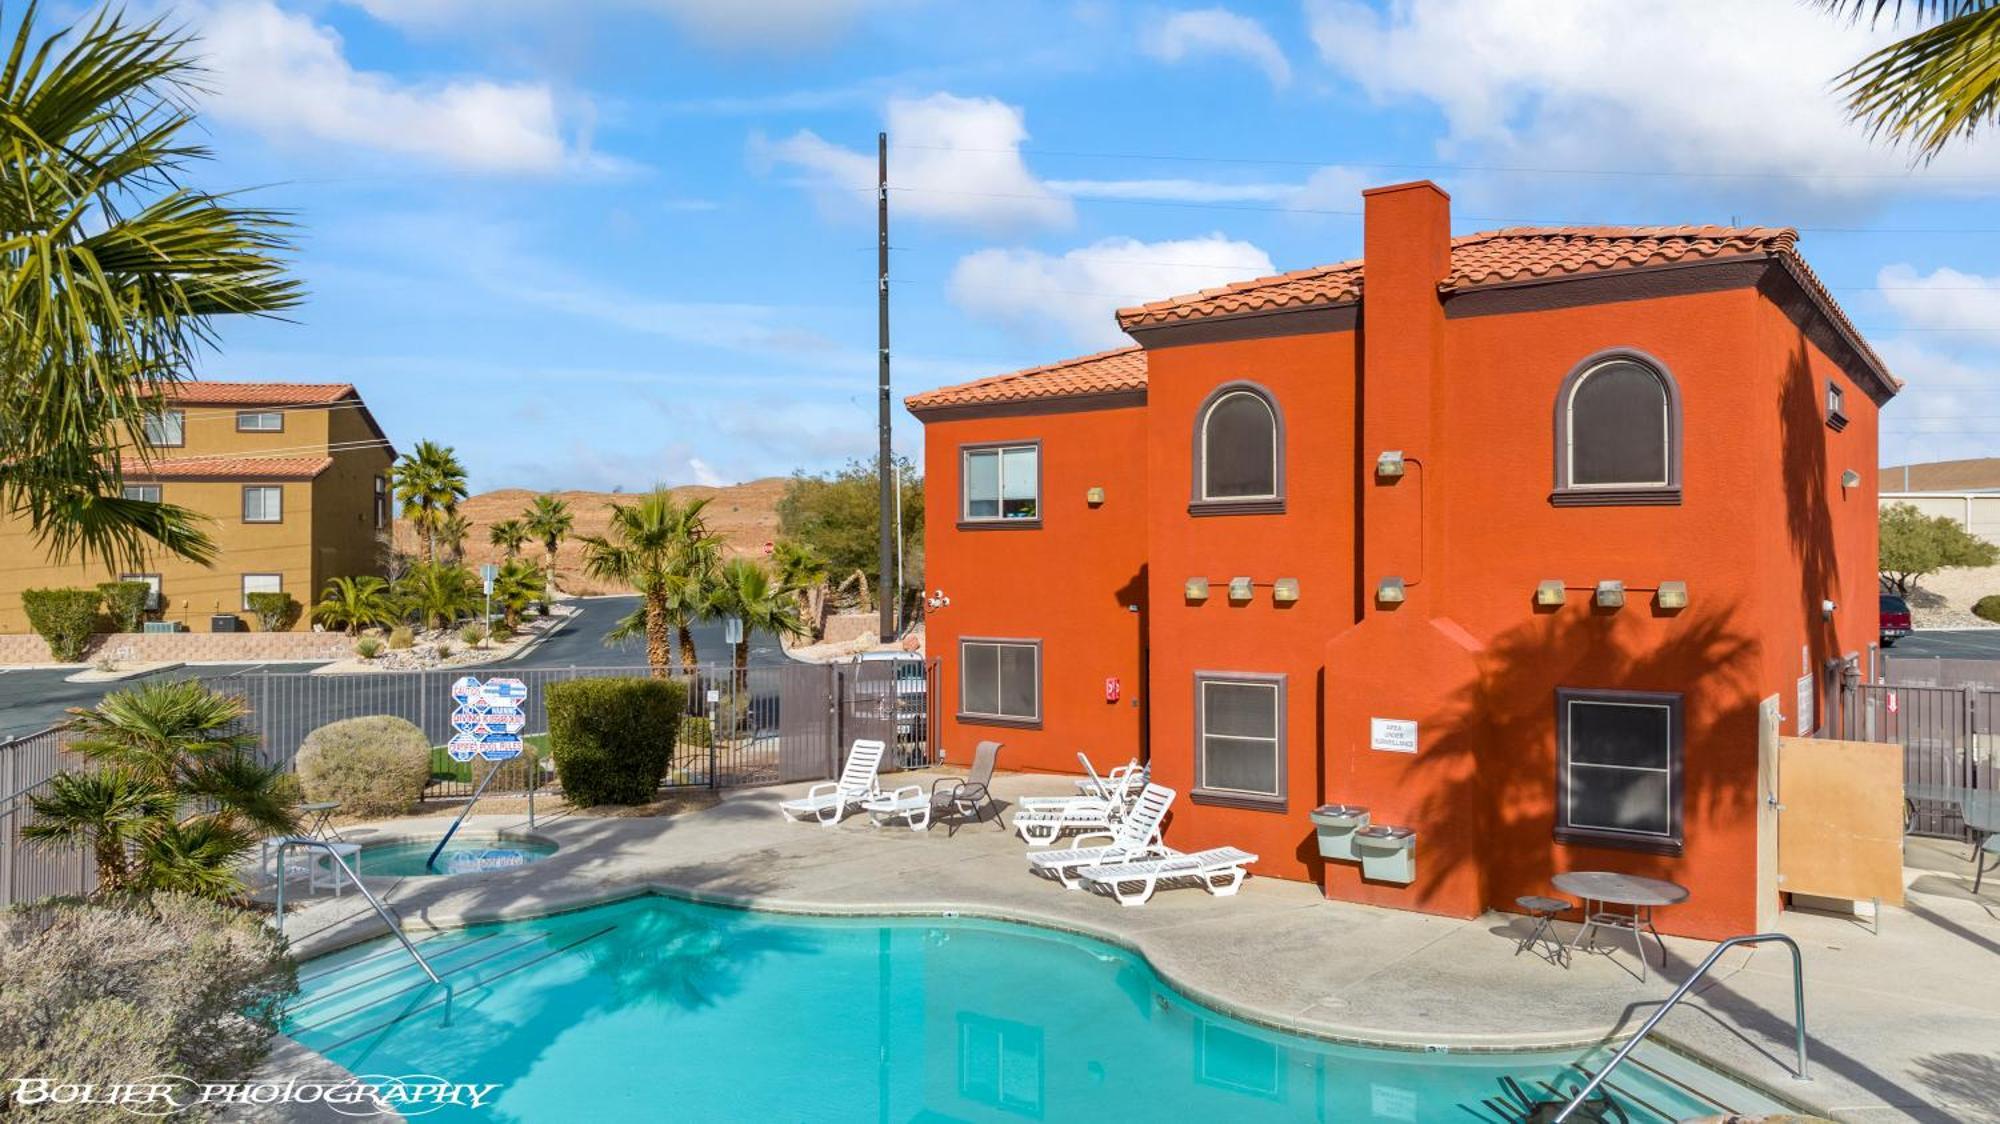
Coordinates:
column 1388, row 854
column 1336, row 824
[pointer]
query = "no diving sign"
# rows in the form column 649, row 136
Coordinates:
column 488, row 719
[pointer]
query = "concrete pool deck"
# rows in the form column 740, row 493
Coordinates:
column 1903, row 1026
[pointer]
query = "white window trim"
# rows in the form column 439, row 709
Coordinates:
column 1666, row 430
column 179, row 424
column 999, row 451
column 245, row 497
column 1208, row 413
column 159, row 495
column 243, row 584
column 277, row 414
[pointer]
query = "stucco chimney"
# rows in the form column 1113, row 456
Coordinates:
column 1406, row 246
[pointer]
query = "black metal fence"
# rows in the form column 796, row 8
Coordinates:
column 1949, row 736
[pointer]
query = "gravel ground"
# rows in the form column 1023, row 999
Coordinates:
column 1944, row 599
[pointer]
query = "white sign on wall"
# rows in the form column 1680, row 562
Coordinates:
column 1806, row 707
column 1397, row 735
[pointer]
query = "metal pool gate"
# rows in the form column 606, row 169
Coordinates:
column 1948, row 737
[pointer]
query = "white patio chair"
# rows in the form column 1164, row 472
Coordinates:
column 1090, row 788
column 1042, row 820
column 1221, row 871
column 1135, row 836
column 829, row 801
column 1132, row 776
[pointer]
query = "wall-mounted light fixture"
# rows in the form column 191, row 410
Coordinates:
column 1239, row 590
column 937, row 600
column 1094, row 497
column 1389, row 591
column 1610, row 594
column 1284, row 591
column 1672, row 595
column 1550, row 592
column 1195, row 589
column 1390, row 464
column 1850, row 479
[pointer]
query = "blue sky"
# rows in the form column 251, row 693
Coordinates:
column 614, row 242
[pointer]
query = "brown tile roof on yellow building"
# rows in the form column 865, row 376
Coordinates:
column 230, row 468
column 209, row 392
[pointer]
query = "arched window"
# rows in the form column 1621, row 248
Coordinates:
column 1239, row 452
column 1618, row 433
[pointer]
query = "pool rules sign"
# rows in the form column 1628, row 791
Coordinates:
column 487, row 718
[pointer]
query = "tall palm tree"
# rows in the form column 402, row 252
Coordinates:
column 429, row 483
column 1938, row 84
column 356, row 603
column 517, row 587
column 660, row 547
column 114, row 275
column 549, row 520
column 438, row 594
column 110, row 810
column 744, row 589
column 510, row 535
column 801, row 567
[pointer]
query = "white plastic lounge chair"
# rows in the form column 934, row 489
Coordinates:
column 829, row 801
column 957, row 798
column 1136, row 836
column 1220, row 869
column 1131, row 775
column 1090, row 789
column 1042, row 820
column 910, row 803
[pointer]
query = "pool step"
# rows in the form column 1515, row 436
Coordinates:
column 398, row 976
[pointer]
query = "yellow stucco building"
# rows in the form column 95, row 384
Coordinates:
column 293, row 478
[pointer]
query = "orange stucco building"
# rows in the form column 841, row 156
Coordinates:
column 1347, row 535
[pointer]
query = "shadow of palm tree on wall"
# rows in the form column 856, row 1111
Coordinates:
column 1809, row 500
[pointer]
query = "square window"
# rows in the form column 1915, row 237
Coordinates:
column 166, row 429
column 1000, row 680
column 144, row 493
column 1002, row 483
column 260, row 421
column 261, row 583
column 1836, row 405
column 1619, row 769
column 263, row 503
column 1240, row 738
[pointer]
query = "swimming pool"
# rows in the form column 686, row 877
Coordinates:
column 656, row 1008
column 463, row 855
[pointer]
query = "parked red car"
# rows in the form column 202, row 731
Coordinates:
column 1895, row 619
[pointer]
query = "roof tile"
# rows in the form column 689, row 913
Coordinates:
column 1106, row 372
column 232, row 468
column 206, row 392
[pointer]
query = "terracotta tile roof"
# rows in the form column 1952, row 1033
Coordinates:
column 231, row 468
column 259, row 393
column 1106, row 372
column 1488, row 258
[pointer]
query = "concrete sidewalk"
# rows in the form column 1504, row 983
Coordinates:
column 1904, row 1025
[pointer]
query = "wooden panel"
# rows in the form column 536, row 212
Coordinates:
column 1841, row 831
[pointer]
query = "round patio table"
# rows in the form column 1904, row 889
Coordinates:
column 1601, row 889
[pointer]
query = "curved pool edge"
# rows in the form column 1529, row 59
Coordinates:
column 398, row 838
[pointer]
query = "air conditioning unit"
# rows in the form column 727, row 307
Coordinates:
column 226, row 622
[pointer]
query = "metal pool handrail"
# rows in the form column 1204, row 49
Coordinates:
column 1798, row 1018
column 431, row 863
column 291, row 841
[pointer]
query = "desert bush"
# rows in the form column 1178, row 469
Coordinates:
column 375, row 766
column 1988, row 608
column 401, row 637
column 611, row 738
column 276, row 612
column 64, row 618
column 471, row 635
column 696, row 731
column 132, row 986
column 444, row 649
column 368, row 647
column 125, row 604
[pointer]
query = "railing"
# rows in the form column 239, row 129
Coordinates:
column 431, row 863
column 286, row 844
column 1798, row 1017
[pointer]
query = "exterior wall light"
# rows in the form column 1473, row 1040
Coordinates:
column 1284, row 591
column 1850, row 479
column 1390, row 464
column 1239, row 589
column 1094, row 497
column 1550, row 592
column 1672, row 595
column 1610, row 594
column 1195, row 589
column 1389, row 591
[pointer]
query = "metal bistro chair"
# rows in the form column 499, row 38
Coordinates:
column 1542, row 937
column 969, row 796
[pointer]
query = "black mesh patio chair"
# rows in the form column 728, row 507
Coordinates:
column 968, row 796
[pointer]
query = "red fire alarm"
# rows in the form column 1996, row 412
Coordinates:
column 1111, row 689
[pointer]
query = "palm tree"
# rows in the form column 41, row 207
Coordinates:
column 429, row 483
column 802, row 568
column 1933, row 86
column 452, row 529
column 114, row 275
column 518, row 586
column 356, row 603
column 550, row 521
column 660, row 547
column 437, row 593
column 745, row 590
column 510, row 535
column 110, row 810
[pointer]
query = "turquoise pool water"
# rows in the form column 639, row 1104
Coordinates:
column 656, row 1009
column 461, row 856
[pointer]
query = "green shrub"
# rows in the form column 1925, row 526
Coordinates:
column 401, row 637
column 1988, row 608
column 696, row 731
column 64, row 618
column 368, row 647
column 125, row 604
column 276, row 612
column 471, row 635
column 374, row 766
column 444, row 649
column 167, row 984
column 611, row 738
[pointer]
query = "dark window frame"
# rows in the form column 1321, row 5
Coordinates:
column 243, row 585
column 1568, row 494
column 1198, row 501
column 180, row 429
column 244, row 508
column 159, row 493
column 1836, row 405
column 968, row 522
column 1199, row 791
column 1013, row 721
column 1595, row 836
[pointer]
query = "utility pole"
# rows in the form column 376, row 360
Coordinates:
column 884, row 541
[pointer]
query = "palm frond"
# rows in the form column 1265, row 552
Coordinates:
column 1937, row 85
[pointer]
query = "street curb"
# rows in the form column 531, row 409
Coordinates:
column 92, row 675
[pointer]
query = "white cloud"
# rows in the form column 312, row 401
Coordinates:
column 1945, row 410
column 704, row 474
column 763, row 25
column 951, row 159
column 1738, row 88
column 1327, row 189
column 1966, row 305
column 1218, row 31
column 289, row 79
column 1074, row 295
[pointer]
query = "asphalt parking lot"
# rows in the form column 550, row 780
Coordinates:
column 1956, row 644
